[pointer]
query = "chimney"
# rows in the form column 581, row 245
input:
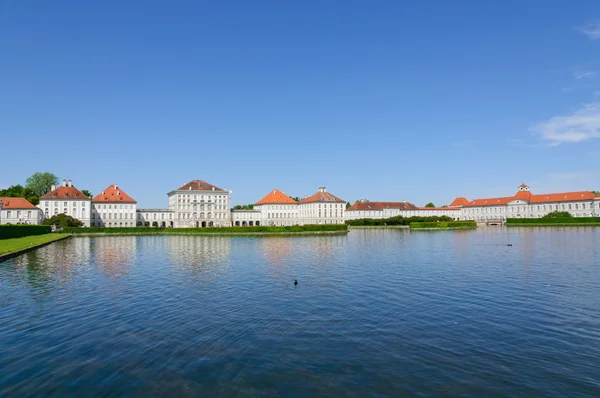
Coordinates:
column 52, row 187
column 64, row 184
column 116, row 187
column 190, row 188
column 213, row 188
column 70, row 183
column 323, row 189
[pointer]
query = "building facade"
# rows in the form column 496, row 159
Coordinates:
column 68, row 200
column 19, row 211
column 524, row 204
column 278, row 209
column 322, row 208
column 366, row 209
column 198, row 204
column 113, row 208
column 163, row 218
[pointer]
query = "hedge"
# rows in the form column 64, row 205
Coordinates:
column 444, row 224
column 569, row 220
column 19, row 231
column 398, row 220
column 210, row 230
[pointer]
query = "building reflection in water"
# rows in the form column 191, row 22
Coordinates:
column 55, row 265
column 316, row 250
column 113, row 255
column 198, row 252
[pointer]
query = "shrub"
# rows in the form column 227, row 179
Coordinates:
column 558, row 214
column 63, row 220
column 444, row 224
column 19, row 231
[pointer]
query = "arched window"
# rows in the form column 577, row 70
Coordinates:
column 195, row 214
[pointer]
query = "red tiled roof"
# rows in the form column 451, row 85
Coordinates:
column 562, row 197
column 523, row 195
column 276, row 197
column 459, row 202
column 68, row 192
column 382, row 205
column 322, row 197
column 113, row 194
column 543, row 198
column 16, row 203
column 199, row 185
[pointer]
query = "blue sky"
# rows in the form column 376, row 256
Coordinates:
column 387, row 100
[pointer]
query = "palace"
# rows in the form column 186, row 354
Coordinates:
column 523, row 204
column 198, row 204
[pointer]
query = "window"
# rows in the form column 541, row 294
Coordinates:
column 8, row 214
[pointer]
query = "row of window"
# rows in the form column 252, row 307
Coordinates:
column 518, row 209
column 112, row 215
column 18, row 214
column 110, row 224
column 119, row 206
column 201, row 207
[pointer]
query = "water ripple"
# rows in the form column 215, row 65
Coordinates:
column 377, row 313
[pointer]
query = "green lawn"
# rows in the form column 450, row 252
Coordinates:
column 16, row 244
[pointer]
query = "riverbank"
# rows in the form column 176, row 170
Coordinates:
column 10, row 248
column 176, row 233
column 554, row 222
column 328, row 229
column 378, row 227
column 573, row 224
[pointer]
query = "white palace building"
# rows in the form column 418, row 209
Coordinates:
column 523, row 204
column 198, row 204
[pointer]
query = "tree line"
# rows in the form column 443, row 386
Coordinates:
column 36, row 186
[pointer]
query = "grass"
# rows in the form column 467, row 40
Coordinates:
column 12, row 245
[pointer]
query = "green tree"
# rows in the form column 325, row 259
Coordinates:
column 430, row 204
column 348, row 204
column 243, row 207
column 41, row 183
column 296, row 198
column 558, row 214
column 596, row 192
column 86, row 193
column 63, row 220
column 17, row 191
column 14, row 191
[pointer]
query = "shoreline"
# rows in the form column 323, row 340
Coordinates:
column 553, row 225
column 283, row 233
column 4, row 257
column 444, row 229
column 378, row 227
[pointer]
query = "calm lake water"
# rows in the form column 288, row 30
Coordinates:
column 376, row 313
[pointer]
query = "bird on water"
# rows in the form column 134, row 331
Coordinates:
column 295, row 282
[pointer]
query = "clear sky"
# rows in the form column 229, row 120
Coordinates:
column 385, row 100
